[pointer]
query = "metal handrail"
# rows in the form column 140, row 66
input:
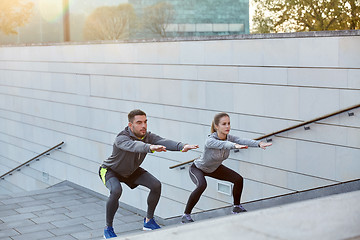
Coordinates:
column 287, row 129
column 34, row 158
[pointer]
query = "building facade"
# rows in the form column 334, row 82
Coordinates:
column 199, row 18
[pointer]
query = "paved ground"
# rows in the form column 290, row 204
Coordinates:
column 59, row 212
column 68, row 211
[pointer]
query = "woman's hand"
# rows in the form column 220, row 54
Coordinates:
column 238, row 146
column 264, row 145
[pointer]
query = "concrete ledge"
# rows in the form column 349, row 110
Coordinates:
column 339, row 33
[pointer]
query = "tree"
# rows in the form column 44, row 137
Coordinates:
column 13, row 14
column 109, row 23
column 158, row 17
column 306, row 15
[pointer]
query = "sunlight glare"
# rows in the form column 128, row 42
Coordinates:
column 51, row 10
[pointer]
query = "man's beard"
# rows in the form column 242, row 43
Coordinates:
column 139, row 134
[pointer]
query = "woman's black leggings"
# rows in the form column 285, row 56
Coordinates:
column 145, row 179
column 221, row 173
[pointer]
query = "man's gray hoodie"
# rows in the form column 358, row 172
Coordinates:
column 129, row 151
column 217, row 150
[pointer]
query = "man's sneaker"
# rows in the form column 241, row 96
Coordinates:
column 238, row 209
column 150, row 225
column 186, row 218
column 109, row 232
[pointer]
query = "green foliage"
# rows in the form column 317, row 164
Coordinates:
column 13, row 14
column 109, row 23
column 305, row 15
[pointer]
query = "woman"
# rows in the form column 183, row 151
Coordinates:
column 217, row 149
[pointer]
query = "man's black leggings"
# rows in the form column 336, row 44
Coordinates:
column 145, row 179
column 221, row 173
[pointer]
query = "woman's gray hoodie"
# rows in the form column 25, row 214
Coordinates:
column 217, row 150
column 129, row 151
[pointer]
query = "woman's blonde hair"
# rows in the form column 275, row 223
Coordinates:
column 217, row 120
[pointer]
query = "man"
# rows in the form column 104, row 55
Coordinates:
column 129, row 151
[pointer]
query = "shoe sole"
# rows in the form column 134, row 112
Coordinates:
column 149, row 229
column 238, row 212
column 108, row 238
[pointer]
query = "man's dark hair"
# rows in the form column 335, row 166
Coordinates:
column 134, row 113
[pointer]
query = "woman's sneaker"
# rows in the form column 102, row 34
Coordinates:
column 109, row 232
column 150, row 225
column 186, row 218
column 238, row 209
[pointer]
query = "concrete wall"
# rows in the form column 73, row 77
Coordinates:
column 81, row 94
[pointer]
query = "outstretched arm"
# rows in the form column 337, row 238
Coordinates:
column 161, row 148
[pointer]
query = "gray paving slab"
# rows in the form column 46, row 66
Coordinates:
column 92, row 206
column 72, row 191
column 130, row 227
column 97, row 234
column 99, row 224
column 34, row 228
column 64, row 198
column 88, row 200
column 34, row 235
column 21, row 223
column 63, row 237
column 70, row 222
column 97, row 217
column 8, row 212
column 42, row 192
column 32, row 209
column 48, row 195
column 132, row 218
column 49, row 218
column 123, row 212
column 65, row 204
column 6, row 238
column 8, row 233
column 82, row 212
column 4, row 196
column 69, row 229
column 51, row 211
column 17, row 217
column 36, row 202
column 9, row 206
column 17, row 200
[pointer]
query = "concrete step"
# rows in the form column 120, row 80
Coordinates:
column 314, row 193
column 332, row 217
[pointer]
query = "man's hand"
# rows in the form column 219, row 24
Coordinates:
column 188, row 147
column 157, row 148
column 238, row 146
column 264, row 145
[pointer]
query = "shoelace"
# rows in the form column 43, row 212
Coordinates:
column 241, row 207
